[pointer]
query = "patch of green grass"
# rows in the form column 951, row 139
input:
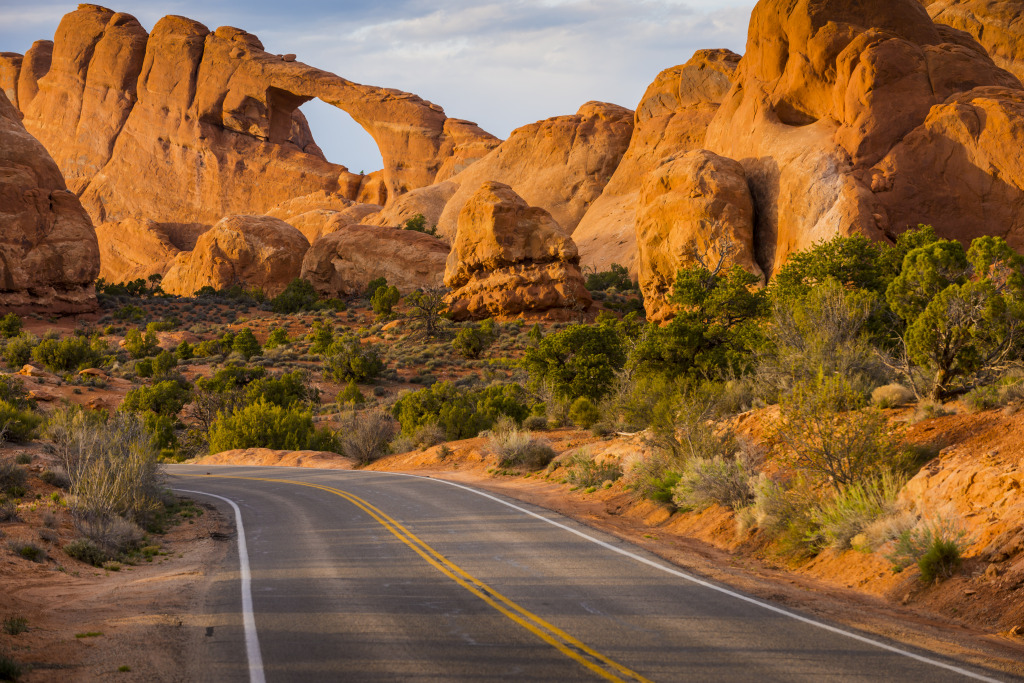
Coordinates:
column 12, row 626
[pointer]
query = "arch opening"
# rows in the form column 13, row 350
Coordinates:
column 342, row 140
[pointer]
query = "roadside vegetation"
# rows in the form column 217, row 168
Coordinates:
column 845, row 333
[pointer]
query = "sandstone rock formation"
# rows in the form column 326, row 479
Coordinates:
column 997, row 24
column 342, row 262
column 134, row 249
column 254, row 251
column 559, row 164
column 318, row 214
column 212, row 119
column 510, row 258
column 672, row 118
column 833, row 98
column 694, row 206
column 48, row 252
column 10, row 69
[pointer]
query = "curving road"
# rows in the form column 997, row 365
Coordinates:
column 368, row 576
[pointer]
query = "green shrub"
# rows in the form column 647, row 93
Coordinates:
column 139, row 345
column 14, row 626
column 474, row 340
column 163, row 363
column 850, row 511
column 350, row 395
column 130, row 312
column 144, row 367
column 584, row 471
column 230, row 378
column 322, row 336
column 245, row 344
column 654, row 478
column 184, row 351
column 10, row 670
column 616, row 277
column 29, row 551
column 892, row 396
column 10, row 326
column 936, row 547
column 17, row 424
column 942, row 559
column 704, row 482
column 584, row 413
column 265, row 425
column 982, row 398
column 164, row 398
column 518, row 448
column 299, row 295
column 277, row 337
column 535, row 423
column 12, row 390
column 347, row 359
column 365, row 437
column 18, row 351
column 85, row 550
column 374, row 285
column 418, row 223
column 287, row 389
column 65, row 355
column 459, row 412
column 384, row 299
column 11, row 477
column 579, row 361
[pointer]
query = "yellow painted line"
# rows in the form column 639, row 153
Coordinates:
column 549, row 633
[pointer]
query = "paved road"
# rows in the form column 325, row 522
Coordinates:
column 366, row 576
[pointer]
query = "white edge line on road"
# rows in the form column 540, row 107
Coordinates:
column 252, row 641
column 700, row 582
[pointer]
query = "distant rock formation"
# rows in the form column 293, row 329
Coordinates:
column 49, row 256
column 694, row 206
column 560, row 164
column 344, row 261
column 212, row 120
column 510, row 258
column 997, row 24
column 254, row 251
column 672, row 118
column 133, row 249
column 318, row 214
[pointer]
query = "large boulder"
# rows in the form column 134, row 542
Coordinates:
column 997, row 24
column 509, row 258
column 253, row 251
column 212, row 119
column 672, row 118
column 559, row 164
column 49, row 257
column 342, row 262
column 133, row 249
column 829, row 89
column 320, row 213
column 694, row 208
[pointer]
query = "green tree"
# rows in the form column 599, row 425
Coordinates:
column 321, row 337
column 375, row 284
column 384, row 299
column 140, row 345
column 347, row 359
column 350, row 395
column 584, row 413
column 288, row 389
column 63, row 355
column 616, row 277
column 184, row 351
column 426, row 309
column 10, row 326
column 473, row 340
column 164, row 398
column 245, row 343
column 578, row 361
column 299, row 295
column 461, row 413
column 163, row 363
column 277, row 337
column 263, row 425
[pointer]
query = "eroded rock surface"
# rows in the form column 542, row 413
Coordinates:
column 253, row 251
column 133, row 249
column 343, row 261
column 997, row 24
column 49, row 256
column 692, row 208
column 509, row 258
column 671, row 119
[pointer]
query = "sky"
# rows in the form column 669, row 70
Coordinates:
column 500, row 63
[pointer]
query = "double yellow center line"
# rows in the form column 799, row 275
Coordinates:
column 549, row 633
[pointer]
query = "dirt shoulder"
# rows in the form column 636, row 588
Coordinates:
column 86, row 623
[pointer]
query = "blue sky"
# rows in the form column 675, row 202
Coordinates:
column 500, row 63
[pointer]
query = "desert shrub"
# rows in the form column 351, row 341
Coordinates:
column 184, row 351
column 616, row 277
column 112, row 466
column 17, row 424
column 164, row 398
column 18, row 351
column 704, row 482
column 245, row 344
column 85, row 550
column 321, row 337
column 64, row 355
column 207, row 348
column 56, row 477
column 373, row 285
column 535, row 423
column 429, row 434
column 139, row 345
column 8, row 510
column 654, row 478
column 10, row 326
column 892, row 396
column 229, row 378
column 473, row 340
column 113, row 534
column 14, row 626
column 418, row 223
column 584, row 413
column 518, row 448
column 277, row 337
column 982, row 398
column 265, row 425
column 23, row 458
column 583, row 470
column 384, row 299
column 130, row 312
column 28, row 550
column 849, row 512
column 579, row 361
column 347, row 359
column 935, row 547
column 299, row 295
column 11, row 477
column 350, row 395
column 824, row 429
column 163, row 363
column 287, row 389
column 461, row 413
column 365, row 437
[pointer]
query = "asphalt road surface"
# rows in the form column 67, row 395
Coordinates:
column 368, row 576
